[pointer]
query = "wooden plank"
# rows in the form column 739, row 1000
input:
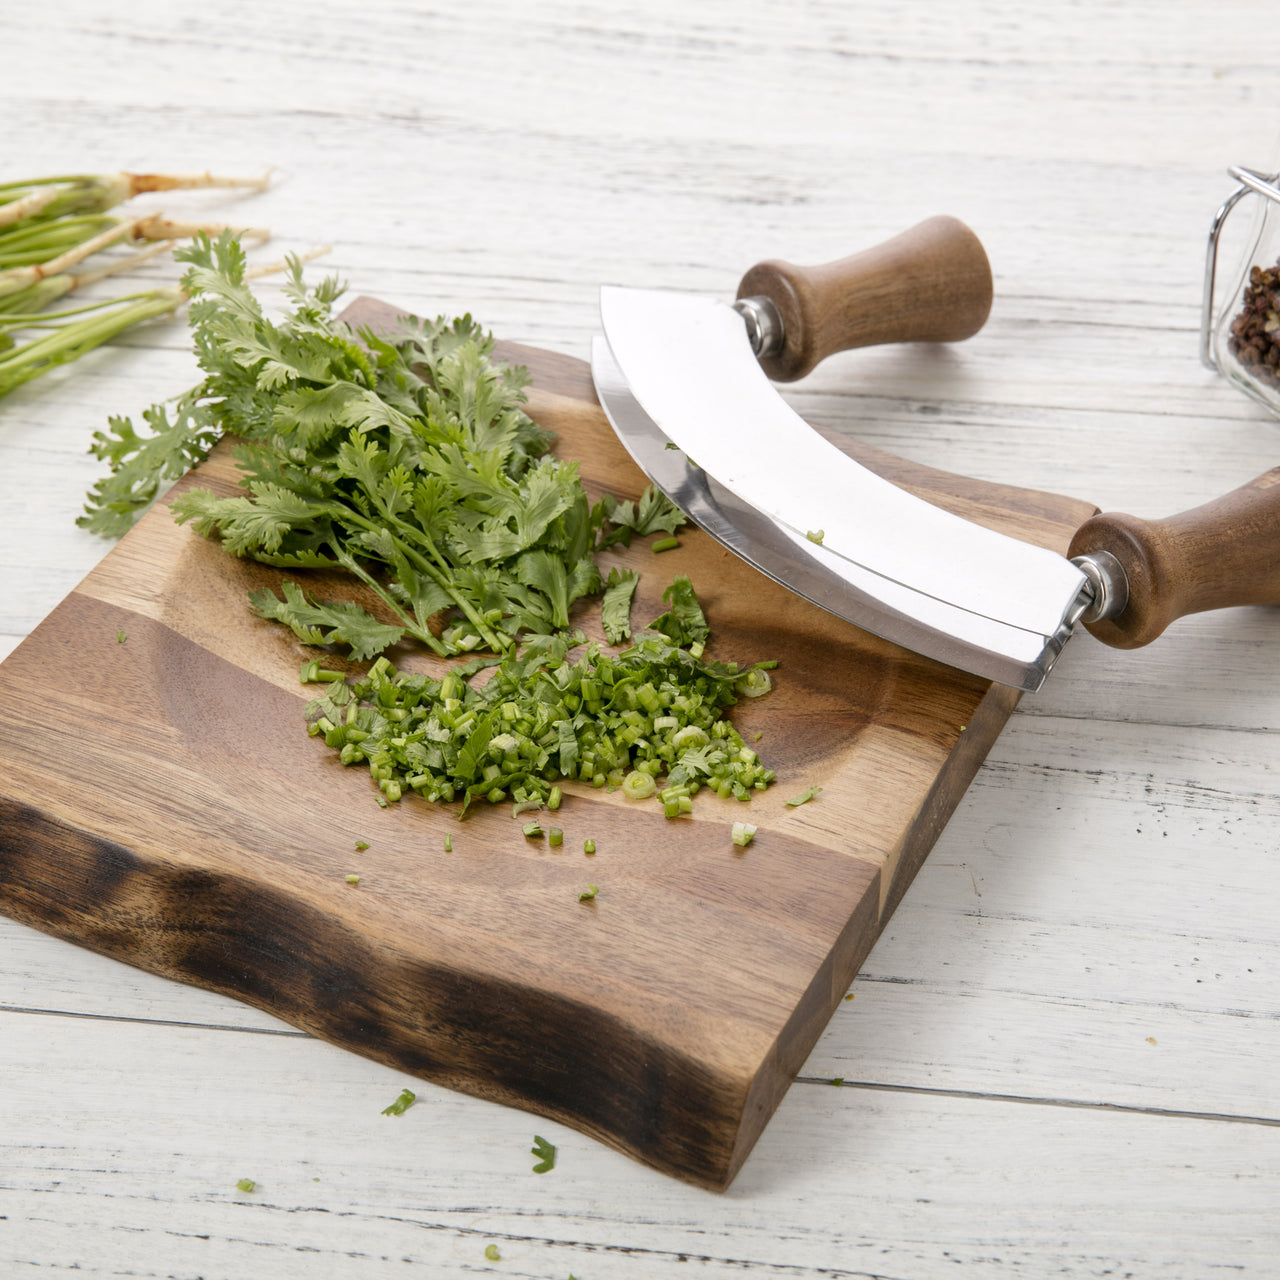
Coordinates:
column 203, row 821
column 152, row 1173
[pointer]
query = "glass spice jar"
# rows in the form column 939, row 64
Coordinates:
column 1240, row 332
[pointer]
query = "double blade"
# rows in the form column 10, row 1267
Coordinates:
column 676, row 370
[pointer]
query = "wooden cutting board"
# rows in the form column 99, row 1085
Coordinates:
column 161, row 802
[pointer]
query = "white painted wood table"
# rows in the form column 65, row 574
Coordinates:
column 1062, row 1058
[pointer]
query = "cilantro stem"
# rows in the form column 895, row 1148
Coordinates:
column 440, row 572
column 353, row 566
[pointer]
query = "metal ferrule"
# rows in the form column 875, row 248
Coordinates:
column 764, row 325
column 1108, row 587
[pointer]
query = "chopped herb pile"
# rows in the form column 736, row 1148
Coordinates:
column 653, row 710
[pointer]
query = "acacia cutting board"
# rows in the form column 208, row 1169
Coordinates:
column 161, row 802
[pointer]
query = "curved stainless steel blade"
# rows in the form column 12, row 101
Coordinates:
column 904, row 576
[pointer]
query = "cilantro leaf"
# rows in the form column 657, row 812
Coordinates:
column 654, row 513
column 316, row 623
column 615, row 608
column 140, row 464
column 684, row 622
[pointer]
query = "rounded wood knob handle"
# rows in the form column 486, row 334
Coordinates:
column 1217, row 556
column 932, row 283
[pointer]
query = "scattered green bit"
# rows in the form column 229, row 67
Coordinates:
column 743, row 833
column 361, row 845
column 555, row 836
column 448, row 843
column 121, row 637
column 402, row 1104
column 849, row 996
column 838, row 1080
column 553, row 798
column 546, row 1154
column 588, row 893
column 533, row 830
column 755, row 684
column 665, row 544
column 246, row 1185
column 804, row 797
column 588, row 847
column 816, row 536
column 353, row 879
column 491, row 1252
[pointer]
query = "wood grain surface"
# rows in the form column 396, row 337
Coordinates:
column 208, row 838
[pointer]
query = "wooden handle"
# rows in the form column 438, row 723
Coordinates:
column 1222, row 554
column 932, row 283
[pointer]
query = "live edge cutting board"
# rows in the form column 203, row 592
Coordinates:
column 161, row 802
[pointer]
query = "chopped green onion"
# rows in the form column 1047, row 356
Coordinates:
column 246, row 1185
column 816, row 536
column 402, row 1104
column 533, row 830
column 588, row 847
column 448, row 843
column 666, row 544
column 743, row 833
column 361, row 845
column 546, row 1154
column 121, row 637
column 755, row 683
column 353, row 879
column 555, row 836
column 638, row 785
column 553, row 799
column 588, row 893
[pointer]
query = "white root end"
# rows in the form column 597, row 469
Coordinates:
column 140, row 182
column 157, row 227
column 272, row 268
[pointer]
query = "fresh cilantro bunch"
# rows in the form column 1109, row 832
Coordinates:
column 404, row 459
